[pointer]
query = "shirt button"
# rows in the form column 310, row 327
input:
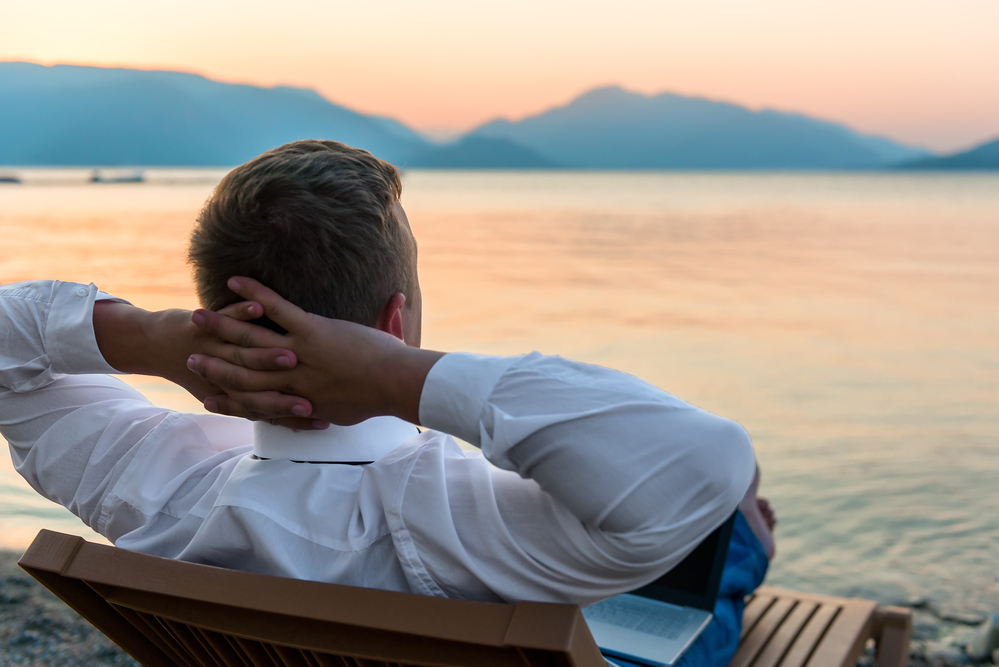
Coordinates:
column 82, row 291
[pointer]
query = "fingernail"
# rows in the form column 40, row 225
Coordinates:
column 300, row 410
column 283, row 361
column 251, row 309
column 210, row 405
column 198, row 318
column 233, row 284
column 191, row 363
column 320, row 425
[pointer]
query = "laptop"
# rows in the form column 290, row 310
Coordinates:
column 655, row 624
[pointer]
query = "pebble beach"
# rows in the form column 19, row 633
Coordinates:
column 38, row 630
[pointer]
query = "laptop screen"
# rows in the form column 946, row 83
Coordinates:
column 694, row 581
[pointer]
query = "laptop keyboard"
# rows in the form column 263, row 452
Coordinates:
column 639, row 615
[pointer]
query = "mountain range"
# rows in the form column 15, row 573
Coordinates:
column 67, row 115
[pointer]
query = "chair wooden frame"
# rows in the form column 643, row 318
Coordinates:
column 165, row 613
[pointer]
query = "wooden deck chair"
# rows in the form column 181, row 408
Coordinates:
column 166, row 612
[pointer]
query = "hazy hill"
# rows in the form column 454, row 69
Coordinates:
column 610, row 128
column 474, row 152
column 985, row 156
column 67, row 115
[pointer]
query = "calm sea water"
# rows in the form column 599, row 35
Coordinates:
column 849, row 321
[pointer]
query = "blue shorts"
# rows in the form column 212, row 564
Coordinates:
column 745, row 567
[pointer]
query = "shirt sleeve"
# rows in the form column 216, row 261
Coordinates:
column 73, row 431
column 36, row 348
column 604, row 482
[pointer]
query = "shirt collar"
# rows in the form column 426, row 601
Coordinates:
column 367, row 441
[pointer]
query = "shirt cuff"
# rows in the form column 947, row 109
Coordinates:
column 69, row 332
column 457, row 389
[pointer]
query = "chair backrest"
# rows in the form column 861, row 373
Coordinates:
column 167, row 612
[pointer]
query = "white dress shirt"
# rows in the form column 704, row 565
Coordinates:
column 599, row 482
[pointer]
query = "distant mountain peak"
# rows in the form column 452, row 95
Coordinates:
column 984, row 156
column 610, row 91
column 610, row 127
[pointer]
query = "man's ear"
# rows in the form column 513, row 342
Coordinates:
column 390, row 319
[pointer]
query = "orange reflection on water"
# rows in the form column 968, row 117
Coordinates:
column 849, row 321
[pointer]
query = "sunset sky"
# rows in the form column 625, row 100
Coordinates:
column 923, row 72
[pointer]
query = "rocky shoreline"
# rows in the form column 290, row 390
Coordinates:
column 38, row 630
column 938, row 639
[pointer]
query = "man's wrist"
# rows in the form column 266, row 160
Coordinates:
column 405, row 380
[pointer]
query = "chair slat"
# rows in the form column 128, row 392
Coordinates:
column 179, row 647
column 844, row 640
column 254, row 650
column 331, row 660
column 755, row 608
column 272, row 653
column 154, row 634
column 238, row 649
column 202, row 638
column 761, row 632
column 781, row 641
column 187, row 637
column 813, row 632
column 327, row 660
column 223, row 650
column 290, row 657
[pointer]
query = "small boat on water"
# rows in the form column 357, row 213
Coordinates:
column 9, row 178
column 117, row 176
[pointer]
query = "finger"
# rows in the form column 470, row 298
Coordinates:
column 224, row 405
column 285, row 313
column 260, row 405
column 233, row 378
column 239, row 333
column 243, row 311
column 254, row 358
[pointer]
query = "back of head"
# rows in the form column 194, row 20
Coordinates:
column 315, row 222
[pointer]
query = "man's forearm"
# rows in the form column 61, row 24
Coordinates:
column 158, row 343
column 615, row 451
column 141, row 342
column 120, row 334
